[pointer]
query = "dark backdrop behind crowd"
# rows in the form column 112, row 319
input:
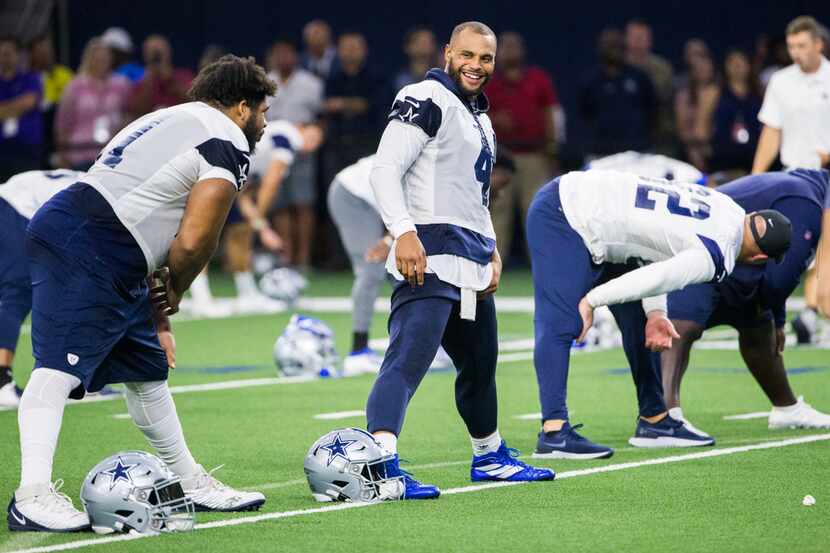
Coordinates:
column 560, row 36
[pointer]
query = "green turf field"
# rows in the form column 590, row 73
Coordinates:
column 742, row 495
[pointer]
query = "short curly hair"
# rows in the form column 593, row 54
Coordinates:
column 231, row 79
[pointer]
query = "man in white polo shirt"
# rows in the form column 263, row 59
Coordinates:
column 796, row 118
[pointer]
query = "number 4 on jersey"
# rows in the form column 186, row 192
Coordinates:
column 483, row 167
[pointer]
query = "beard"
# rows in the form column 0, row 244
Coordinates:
column 252, row 132
column 455, row 75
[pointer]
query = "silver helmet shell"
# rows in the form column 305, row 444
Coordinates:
column 348, row 464
column 134, row 490
column 283, row 284
column 306, row 347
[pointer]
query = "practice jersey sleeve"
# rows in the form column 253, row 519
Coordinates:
column 688, row 267
column 220, row 159
column 770, row 113
column 655, row 303
column 285, row 143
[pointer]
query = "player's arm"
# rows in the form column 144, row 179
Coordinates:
column 270, row 184
column 204, row 216
column 400, row 145
column 768, row 145
column 687, row 267
column 823, row 266
column 269, row 238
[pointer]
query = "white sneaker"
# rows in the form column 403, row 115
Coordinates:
column 8, row 396
column 800, row 415
column 209, row 494
column 677, row 414
column 42, row 508
column 210, row 309
column 442, row 361
column 364, row 361
column 257, row 304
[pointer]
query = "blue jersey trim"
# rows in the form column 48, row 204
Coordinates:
column 222, row 153
column 281, row 141
column 447, row 239
column 424, row 114
column 477, row 104
column 717, row 258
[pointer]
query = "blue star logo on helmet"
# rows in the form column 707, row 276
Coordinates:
column 337, row 448
column 119, row 471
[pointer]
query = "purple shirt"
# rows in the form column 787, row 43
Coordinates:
column 28, row 129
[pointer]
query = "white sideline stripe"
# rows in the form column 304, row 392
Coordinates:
column 339, row 415
column 529, row 417
column 121, row 416
column 452, row 491
column 747, row 416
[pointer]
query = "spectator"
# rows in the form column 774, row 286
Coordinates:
column 730, row 117
column 92, row 109
column 121, row 46
column 210, row 54
column 300, row 93
column 21, row 120
column 617, row 101
column 779, row 58
column 700, row 82
column 693, row 50
column 162, row 84
column 54, row 78
column 421, row 51
column 320, row 55
column 796, row 112
column 638, row 53
column 522, row 104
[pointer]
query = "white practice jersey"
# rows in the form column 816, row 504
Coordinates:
column 685, row 233
column 280, row 142
column 649, row 165
column 355, row 179
column 148, row 169
column 432, row 175
column 26, row 192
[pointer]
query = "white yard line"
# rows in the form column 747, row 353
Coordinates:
column 337, row 415
column 747, row 416
column 251, row 519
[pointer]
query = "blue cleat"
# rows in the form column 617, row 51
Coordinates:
column 568, row 444
column 412, row 488
column 503, row 466
column 667, row 432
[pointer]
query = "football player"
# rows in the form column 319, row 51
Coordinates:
column 649, row 165
column 431, row 179
column 20, row 198
column 153, row 203
column 602, row 223
column 753, row 298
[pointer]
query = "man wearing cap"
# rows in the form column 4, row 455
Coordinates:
column 609, row 238
column 753, row 298
column 121, row 46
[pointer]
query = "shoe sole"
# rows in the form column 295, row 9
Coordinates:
column 568, row 455
column 39, row 528
column 666, row 441
column 546, row 479
column 796, row 426
column 252, row 506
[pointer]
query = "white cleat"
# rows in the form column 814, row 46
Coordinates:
column 253, row 304
column 42, row 508
column 209, row 494
column 442, row 361
column 365, row 361
column 800, row 415
column 677, row 414
column 210, row 309
column 8, row 396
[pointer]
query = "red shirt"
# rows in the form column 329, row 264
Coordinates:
column 164, row 93
column 518, row 108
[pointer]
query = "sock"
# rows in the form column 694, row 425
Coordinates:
column 388, row 441
column 5, row 375
column 245, row 284
column 809, row 317
column 39, row 417
column 200, row 289
column 487, row 444
column 360, row 341
column 152, row 409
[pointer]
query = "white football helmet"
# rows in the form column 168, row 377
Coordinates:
column 134, row 490
column 348, row 464
column 283, row 284
column 306, row 347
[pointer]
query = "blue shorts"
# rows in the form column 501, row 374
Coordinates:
column 91, row 314
column 15, row 282
column 732, row 302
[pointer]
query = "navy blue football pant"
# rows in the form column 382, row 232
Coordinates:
column 563, row 273
column 15, row 282
column 423, row 318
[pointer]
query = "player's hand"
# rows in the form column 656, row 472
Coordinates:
column 168, row 344
column 824, row 157
column 494, row 282
column 411, row 258
column 270, row 239
column 586, row 312
column 780, row 340
column 379, row 251
column 659, row 331
column 162, row 296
